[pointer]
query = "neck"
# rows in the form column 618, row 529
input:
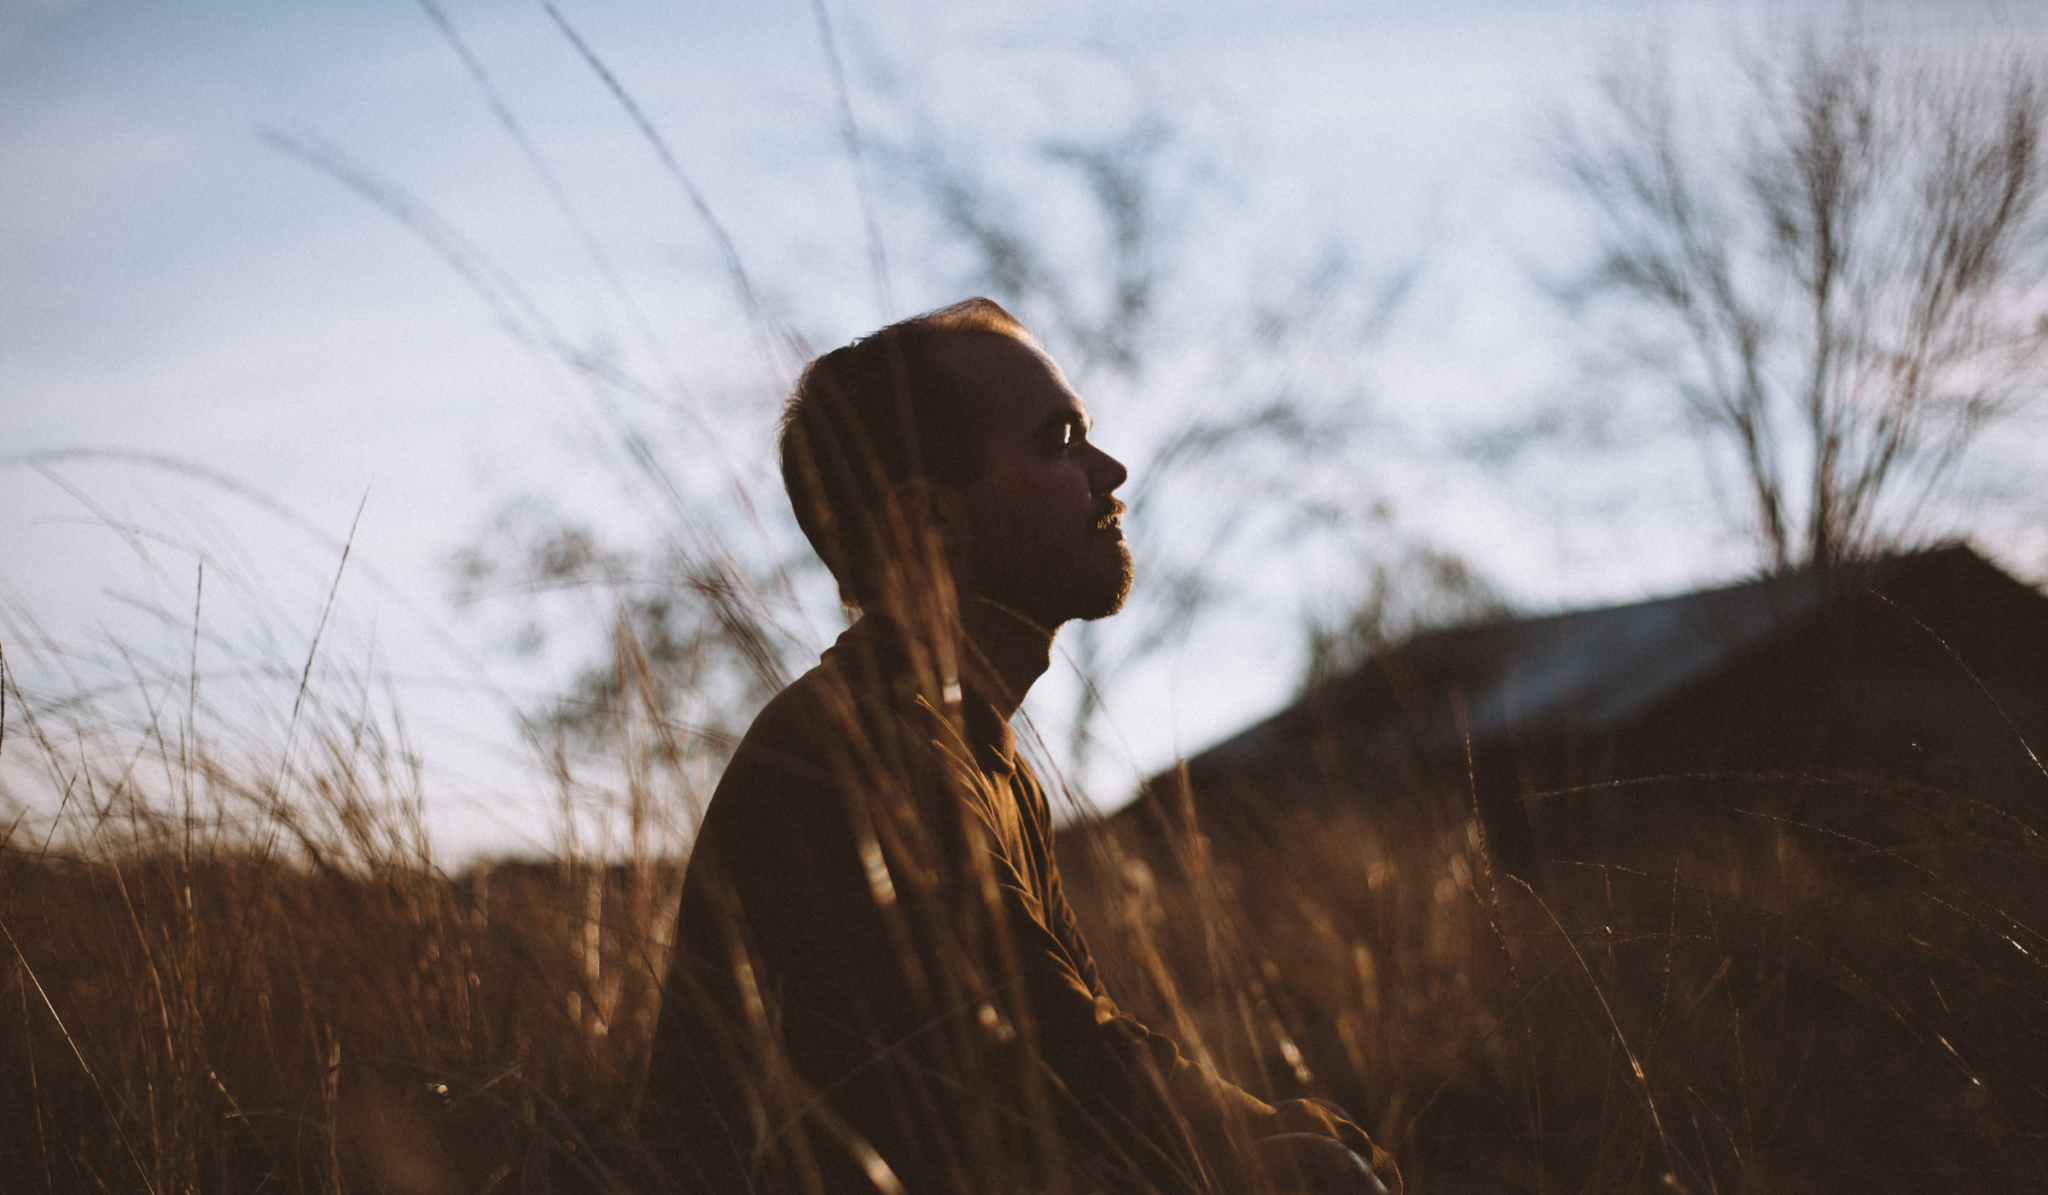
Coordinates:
column 1016, row 650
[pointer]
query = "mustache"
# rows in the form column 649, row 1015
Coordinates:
column 1108, row 513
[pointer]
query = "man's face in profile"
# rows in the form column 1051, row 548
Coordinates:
column 1044, row 534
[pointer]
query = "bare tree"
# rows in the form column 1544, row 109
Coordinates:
column 1837, row 270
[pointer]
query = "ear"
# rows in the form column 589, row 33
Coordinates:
column 933, row 508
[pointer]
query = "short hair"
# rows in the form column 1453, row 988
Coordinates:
column 875, row 413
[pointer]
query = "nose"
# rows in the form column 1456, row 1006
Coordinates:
column 1105, row 473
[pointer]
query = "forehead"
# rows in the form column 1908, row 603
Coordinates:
column 1017, row 387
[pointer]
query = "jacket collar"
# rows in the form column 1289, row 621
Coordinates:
column 882, row 655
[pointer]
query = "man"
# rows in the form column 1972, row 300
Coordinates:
column 877, row 983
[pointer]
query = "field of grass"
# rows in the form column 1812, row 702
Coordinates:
column 207, row 987
column 1825, row 1015
column 1775, row 1007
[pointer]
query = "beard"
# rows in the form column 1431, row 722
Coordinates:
column 1090, row 582
column 1107, row 596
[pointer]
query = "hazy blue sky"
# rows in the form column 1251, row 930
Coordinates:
column 175, row 286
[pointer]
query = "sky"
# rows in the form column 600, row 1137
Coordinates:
column 282, row 301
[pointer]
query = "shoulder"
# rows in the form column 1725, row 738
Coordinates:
column 798, row 739
column 780, row 804
column 826, row 733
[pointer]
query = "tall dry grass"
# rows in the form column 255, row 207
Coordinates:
column 244, row 976
column 232, row 970
column 1774, row 1004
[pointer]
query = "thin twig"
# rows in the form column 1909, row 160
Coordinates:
column 765, row 332
column 878, row 264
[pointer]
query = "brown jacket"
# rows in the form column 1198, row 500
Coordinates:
column 877, row 979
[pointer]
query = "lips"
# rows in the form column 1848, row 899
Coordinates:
column 1109, row 523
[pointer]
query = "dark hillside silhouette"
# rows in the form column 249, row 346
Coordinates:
column 1578, row 733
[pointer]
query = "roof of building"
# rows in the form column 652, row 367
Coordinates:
column 1596, row 668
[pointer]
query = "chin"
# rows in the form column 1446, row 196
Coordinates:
column 1052, row 598
column 1111, row 596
